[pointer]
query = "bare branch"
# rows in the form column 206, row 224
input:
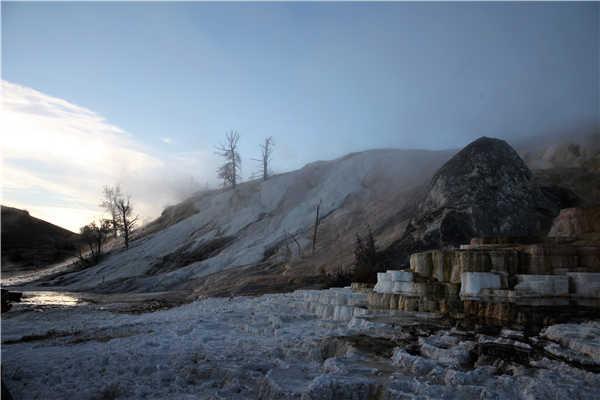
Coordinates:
column 230, row 170
column 127, row 221
column 111, row 194
column 265, row 160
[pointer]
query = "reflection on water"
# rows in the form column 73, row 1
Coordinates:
column 50, row 299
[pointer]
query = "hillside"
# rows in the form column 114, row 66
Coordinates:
column 29, row 242
column 261, row 233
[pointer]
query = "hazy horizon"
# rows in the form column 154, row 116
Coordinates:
column 140, row 93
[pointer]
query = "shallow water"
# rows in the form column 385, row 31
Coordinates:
column 46, row 298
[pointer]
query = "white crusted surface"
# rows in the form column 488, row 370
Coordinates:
column 580, row 338
column 585, row 284
column 542, row 285
column 401, row 276
column 473, row 282
column 264, row 347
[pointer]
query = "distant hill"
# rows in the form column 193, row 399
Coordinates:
column 29, row 242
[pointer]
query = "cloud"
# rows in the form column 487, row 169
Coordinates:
column 57, row 156
column 166, row 140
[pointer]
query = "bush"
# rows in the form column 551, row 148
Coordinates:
column 339, row 278
column 94, row 235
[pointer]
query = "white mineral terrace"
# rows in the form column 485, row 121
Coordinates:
column 512, row 271
column 338, row 304
column 320, row 345
column 398, row 282
column 473, row 284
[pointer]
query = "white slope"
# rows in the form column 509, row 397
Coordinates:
column 360, row 188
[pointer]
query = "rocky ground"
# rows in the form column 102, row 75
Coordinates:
column 275, row 347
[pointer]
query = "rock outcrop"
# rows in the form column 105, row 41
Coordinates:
column 577, row 222
column 484, row 190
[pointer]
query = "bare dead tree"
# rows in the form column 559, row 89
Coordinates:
column 126, row 218
column 317, row 221
column 266, row 149
column 109, row 203
column 230, row 170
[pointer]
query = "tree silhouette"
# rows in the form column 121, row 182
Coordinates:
column 230, row 170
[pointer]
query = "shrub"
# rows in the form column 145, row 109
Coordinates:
column 367, row 262
column 340, row 277
column 94, row 235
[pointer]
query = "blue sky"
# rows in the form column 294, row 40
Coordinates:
column 323, row 79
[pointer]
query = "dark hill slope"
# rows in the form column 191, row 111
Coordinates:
column 29, row 242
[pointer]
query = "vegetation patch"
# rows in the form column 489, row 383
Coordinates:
column 182, row 257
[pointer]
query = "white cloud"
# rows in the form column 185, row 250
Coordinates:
column 57, row 156
column 166, row 140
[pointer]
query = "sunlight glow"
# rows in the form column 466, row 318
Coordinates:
column 53, row 148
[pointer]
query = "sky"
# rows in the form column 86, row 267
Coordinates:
column 139, row 94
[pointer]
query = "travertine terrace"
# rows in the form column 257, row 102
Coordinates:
column 494, row 277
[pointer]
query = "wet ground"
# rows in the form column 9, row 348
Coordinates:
column 40, row 300
column 38, row 296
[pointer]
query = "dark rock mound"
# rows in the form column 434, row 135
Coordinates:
column 8, row 298
column 484, row 190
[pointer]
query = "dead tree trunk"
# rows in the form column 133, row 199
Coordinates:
column 317, row 221
column 128, row 221
column 230, row 170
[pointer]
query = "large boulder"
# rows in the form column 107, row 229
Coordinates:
column 484, row 190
